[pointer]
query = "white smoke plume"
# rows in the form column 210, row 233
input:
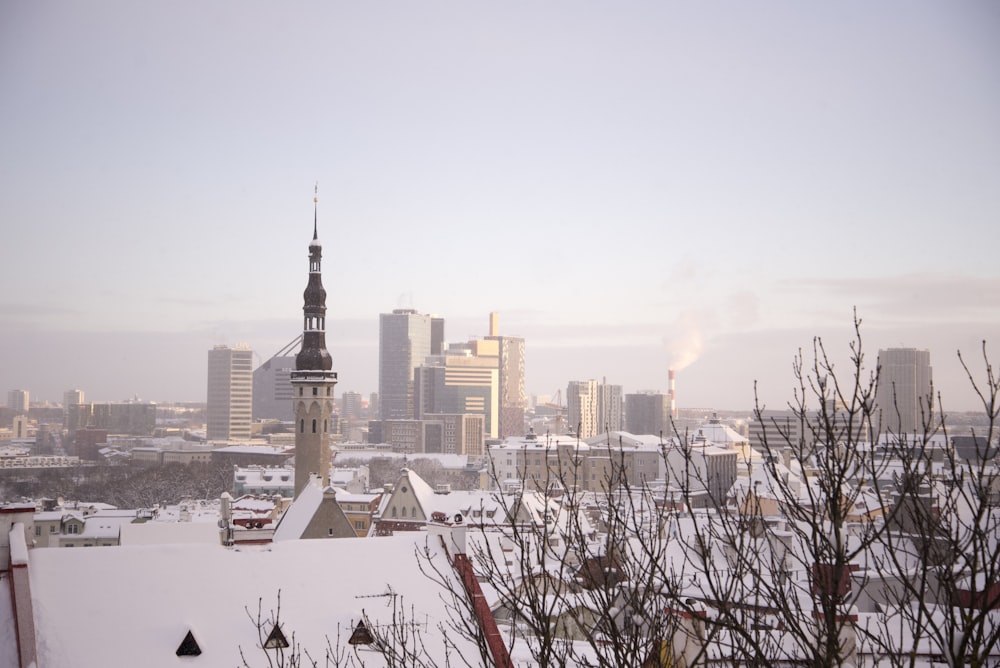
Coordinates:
column 685, row 340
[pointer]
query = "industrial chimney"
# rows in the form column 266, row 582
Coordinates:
column 673, row 393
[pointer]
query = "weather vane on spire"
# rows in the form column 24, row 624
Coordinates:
column 315, row 207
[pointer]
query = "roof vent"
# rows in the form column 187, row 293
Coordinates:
column 189, row 646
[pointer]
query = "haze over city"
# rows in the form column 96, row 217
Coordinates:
column 632, row 187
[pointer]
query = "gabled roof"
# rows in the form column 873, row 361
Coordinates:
column 297, row 516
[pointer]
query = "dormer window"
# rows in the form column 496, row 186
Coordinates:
column 276, row 639
column 361, row 635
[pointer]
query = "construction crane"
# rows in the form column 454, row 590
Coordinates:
column 558, row 423
column 289, row 347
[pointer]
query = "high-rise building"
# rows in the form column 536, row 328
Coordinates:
column 648, row 413
column 272, row 389
column 17, row 400
column 459, row 382
column 230, row 393
column 350, row 406
column 406, row 338
column 72, row 399
column 581, row 407
column 312, row 380
column 609, row 407
column 903, row 392
column 513, row 400
column 136, row 418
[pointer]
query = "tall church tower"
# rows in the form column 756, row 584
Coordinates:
column 312, row 379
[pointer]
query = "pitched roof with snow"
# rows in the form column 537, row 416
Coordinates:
column 297, row 516
column 161, row 593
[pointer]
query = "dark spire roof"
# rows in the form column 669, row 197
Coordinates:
column 314, row 356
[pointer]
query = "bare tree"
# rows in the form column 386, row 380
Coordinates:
column 945, row 542
column 838, row 545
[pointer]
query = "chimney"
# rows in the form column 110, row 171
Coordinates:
column 494, row 323
column 673, row 393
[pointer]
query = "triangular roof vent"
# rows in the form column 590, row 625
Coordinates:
column 189, row 646
column 361, row 635
column 275, row 639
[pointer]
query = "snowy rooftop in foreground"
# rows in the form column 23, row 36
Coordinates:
column 136, row 604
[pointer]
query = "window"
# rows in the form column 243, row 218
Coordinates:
column 53, row 528
column 72, row 528
column 315, row 391
column 302, row 426
column 38, row 530
column 359, row 525
column 314, row 426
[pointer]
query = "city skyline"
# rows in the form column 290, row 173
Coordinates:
column 629, row 188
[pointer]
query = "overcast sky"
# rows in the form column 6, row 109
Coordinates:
column 629, row 184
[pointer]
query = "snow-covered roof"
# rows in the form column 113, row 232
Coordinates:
column 8, row 630
column 297, row 516
column 720, row 434
column 343, row 496
column 628, row 440
column 100, row 526
column 170, row 533
column 251, row 450
column 162, row 592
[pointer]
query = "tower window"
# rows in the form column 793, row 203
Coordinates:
column 314, row 426
column 315, row 391
column 302, row 426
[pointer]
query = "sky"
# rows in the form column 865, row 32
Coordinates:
column 630, row 185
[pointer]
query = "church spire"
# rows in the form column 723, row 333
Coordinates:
column 312, row 380
column 314, row 356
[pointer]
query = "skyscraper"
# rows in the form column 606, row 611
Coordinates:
column 72, row 398
column 312, row 380
column 350, row 406
column 609, row 407
column 272, row 389
column 459, row 382
column 581, row 407
column 18, row 400
column 513, row 400
column 230, row 393
column 647, row 413
column 406, row 338
column 903, row 392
